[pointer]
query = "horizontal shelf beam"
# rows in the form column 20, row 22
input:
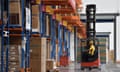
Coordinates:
column 54, row 2
column 74, row 18
column 64, row 11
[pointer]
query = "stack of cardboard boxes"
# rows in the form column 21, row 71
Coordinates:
column 15, row 12
column 36, row 18
column 38, row 54
column 49, row 65
column 111, row 56
column 14, row 58
column 103, row 49
column 35, row 54
column 14, row 54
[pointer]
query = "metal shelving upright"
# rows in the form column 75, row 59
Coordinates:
column 23, row 37
column 5, row 67
column 2, row 36
column 26, row 34
column 7, row 37
column 60, row 40
column 53, row 39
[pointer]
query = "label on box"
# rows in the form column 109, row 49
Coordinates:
column 49, row 9
column 65, row 23
column 58, row 17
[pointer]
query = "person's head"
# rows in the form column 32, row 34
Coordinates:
column 91, row 42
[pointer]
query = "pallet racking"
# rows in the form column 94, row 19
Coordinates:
column 60, row 28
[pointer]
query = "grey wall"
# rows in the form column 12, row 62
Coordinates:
column 103, row 6
column 107, row 27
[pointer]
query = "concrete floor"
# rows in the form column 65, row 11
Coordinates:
column 110, row 67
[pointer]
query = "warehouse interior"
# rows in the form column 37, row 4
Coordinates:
column 59, row 35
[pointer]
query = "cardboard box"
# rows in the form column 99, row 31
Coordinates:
column 15, row 12
column 38, row 54
column 14, row 58
column 35, row 48
column 13, row 66
column 14, row 69
column 43, row 54
column 14, row 49
column 35, row 23
column 35, row 9
column 15, row 63
column 35, row 53
column 15, row 40
column 49, row 65
column 14, row 7
column 35, row 1
column 15, row 19
column 35, row 65
column 111, row 55
column 35, row 18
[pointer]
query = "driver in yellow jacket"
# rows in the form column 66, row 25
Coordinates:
column 92, row 48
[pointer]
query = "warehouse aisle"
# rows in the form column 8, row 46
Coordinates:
column 104, row 68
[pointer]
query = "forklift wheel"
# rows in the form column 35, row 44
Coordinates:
column 82, row 68
column 90, row 68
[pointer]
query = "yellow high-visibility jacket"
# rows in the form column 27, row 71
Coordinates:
column 92, row 49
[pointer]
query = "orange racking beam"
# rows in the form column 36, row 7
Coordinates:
column 19, row 35
column 69, row 3
column 54, row 2
column 64, row 11
column 82, row 31
column 15, row 35
column 74, row 23
column 35, row 35
column 14, row 29
column 73, row 20
column 68, row 18
column 79, row 3
column 48, row 39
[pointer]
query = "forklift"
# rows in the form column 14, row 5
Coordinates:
column 89, row 46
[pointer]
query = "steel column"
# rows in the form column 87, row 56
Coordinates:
column 2, row 36
column 53, row 39
column 65, row 41
column 68, row 43
column 7, row 37
column 23, row 35
column 27, row 64
column 59, row 41
column 115, row 44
